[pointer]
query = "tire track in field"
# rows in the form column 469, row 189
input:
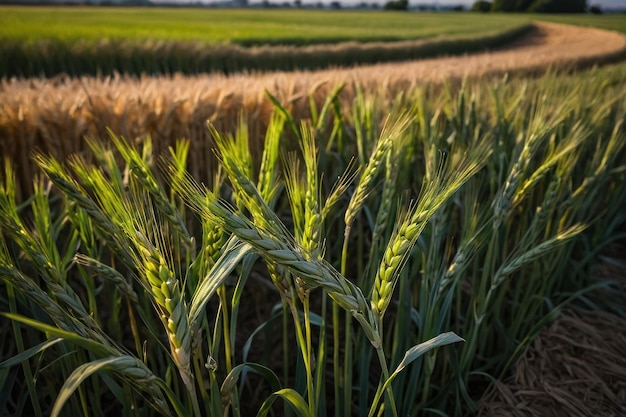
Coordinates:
column 549, row 44
column 546, row 45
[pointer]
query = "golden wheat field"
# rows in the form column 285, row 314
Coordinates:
column 54, row 115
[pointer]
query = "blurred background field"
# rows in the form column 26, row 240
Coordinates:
column 246, row 27
column 615, row 21
column 45, row 40
column 36, row 41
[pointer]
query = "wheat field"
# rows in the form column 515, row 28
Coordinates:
column 360, row 242
column 382, row 252
column 55, row 115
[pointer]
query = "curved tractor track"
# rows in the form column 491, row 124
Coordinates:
column 545, row 45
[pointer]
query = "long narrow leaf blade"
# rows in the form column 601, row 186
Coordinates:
column 418, row 350
column 235, row 251
column 29, row 353
column 231, row 379
column 294, row 399
column 91, row 345
column 77, row 377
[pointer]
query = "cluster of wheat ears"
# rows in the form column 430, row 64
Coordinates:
column 464, row 216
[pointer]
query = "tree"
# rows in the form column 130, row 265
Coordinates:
column 595, row 9
column 397, row 5
column 522, row 5
column 558, row 6
column 481, row 6
column 503, row 5
column 539, row 6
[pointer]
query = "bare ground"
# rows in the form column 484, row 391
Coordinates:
column 576, row 367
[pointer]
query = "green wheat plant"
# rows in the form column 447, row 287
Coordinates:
column 386, row 257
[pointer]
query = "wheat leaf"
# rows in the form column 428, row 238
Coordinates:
column 294, row 399
column 235, row 250
column 29, row 353
column 231, row 379
column 418, row 350
column 288, row 117
column 77, row 377
column 334, row 95
column 88, row 344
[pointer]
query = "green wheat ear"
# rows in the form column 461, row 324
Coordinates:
column 144, row 174
column 392, row 130
column 164, row 287
column 304, row 194
column 409, row 228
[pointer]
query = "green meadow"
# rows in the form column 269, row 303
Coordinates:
column 239, row 26
column 37, row 41
column 46, row 41
column 616, row 22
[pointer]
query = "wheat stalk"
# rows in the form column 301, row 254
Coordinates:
column 277, row 248
column 58, row 175
column 111, row 232
column 40, row 257
column 536, row 252
column 312, row 229
column 339, row 189
column 387, row 195
column 295, row 191
column 268, row 172
column 237, row 166
column 27, row 286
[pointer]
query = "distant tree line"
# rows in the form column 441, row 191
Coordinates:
column 397, row 5
column 531, row 6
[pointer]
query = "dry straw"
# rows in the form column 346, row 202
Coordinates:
column 566, row 371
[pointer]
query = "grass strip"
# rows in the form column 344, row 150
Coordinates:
column 50, row 57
